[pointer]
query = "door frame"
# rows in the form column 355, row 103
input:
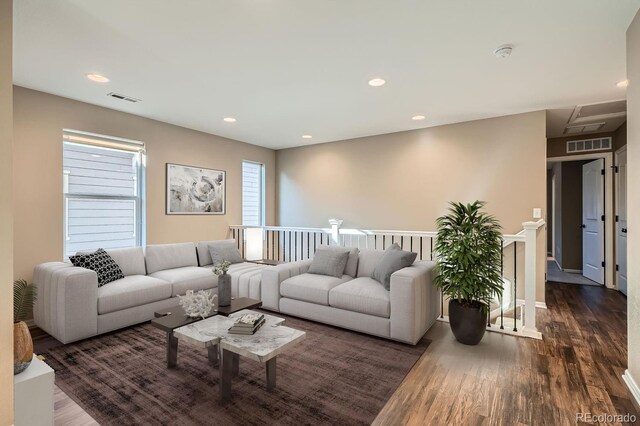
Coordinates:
column 609, row 224
column 615, row 207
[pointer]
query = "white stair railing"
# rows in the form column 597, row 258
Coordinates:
column 515, row 313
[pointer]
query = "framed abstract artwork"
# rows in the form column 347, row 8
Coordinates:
column 195, row 190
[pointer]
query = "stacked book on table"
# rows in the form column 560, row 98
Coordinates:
column 247, row 324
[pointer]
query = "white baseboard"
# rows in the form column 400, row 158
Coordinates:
column 572, row 271
column 633, row 386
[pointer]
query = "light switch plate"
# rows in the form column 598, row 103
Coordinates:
column 537, row 213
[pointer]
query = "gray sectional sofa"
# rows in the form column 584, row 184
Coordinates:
column 71, row 306
column 356, row 301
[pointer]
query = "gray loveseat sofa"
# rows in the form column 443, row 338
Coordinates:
column 356, row 301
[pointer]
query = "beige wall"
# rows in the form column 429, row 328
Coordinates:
column 633, row 213
column 405, row 180
column 6, row 220
column 39, row 119
column 620, row 137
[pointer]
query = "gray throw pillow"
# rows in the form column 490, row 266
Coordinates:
column 225, row 250
column 393, row 260
column 329, row 262
column 352, row 262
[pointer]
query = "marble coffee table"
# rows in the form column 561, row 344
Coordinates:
column 270, row 340
column 169, row 319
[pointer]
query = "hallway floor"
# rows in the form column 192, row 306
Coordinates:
column 556, row 275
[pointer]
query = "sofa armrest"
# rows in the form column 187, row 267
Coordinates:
column 67, row 302
column 273, row 276
column 414, row 301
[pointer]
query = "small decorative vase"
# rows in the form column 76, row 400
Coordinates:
column 22, row 347
column 224, row 290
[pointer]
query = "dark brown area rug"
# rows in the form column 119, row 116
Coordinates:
column 333, row 377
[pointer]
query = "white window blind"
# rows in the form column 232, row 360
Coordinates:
column 252, row 194
column 103, row 192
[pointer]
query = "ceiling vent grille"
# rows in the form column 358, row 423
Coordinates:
column 585, row 145
column 581, row 128
column 123, row 97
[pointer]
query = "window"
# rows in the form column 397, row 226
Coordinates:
column 253, row 209
column 103, row 182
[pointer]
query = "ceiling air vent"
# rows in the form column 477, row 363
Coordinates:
column 597, row 144
column 581, row 128
column 123, row 97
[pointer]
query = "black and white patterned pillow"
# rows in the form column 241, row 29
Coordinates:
column 106, row 268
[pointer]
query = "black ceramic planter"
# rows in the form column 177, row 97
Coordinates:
column 467, row 321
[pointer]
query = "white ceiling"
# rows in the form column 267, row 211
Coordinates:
column 285, row 68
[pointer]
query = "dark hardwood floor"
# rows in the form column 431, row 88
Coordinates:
column 576, row 368
column 506, row 380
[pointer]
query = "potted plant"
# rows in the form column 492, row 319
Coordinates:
column 24, row 296
column 468, row 249
column 224, row 283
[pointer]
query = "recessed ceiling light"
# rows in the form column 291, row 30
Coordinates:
column 377, row 82
column 98, row 78
column 229, row 119
column 503, row 51
column 623, row 83
column 418, row 117
column 306, row 136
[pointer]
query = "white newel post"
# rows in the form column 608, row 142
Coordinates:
column 530, row 232
column 335, row 230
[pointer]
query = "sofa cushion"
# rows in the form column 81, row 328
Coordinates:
column 130, row 291
column 352, row 264
column 329, row 262
column 364, row 295
column 170, row 256
column 221, row 252
column 393, row 260
column 312, row 288
column 204, row 257
column 130, row 260
column 188, row 278
column 368, row 261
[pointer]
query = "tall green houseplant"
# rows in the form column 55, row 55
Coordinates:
column 468, row 248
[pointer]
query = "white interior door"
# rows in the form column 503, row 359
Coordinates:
column 621, row 224
column 592, row 223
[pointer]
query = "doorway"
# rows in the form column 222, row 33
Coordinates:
column 578, row 198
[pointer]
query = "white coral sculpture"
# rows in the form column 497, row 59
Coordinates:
column 198, row 304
